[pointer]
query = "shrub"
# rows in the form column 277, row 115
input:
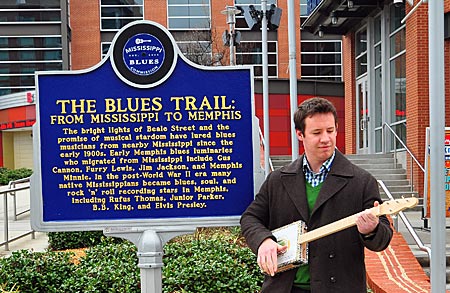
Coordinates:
column 218, row 263
column 106, row 268
column 11, row 290
column 7, row 175
column 35, row 272
column 71, row 240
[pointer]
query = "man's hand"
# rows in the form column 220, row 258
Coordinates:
column 366, row 222
column 267, row 256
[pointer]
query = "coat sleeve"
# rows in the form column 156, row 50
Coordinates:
column 255, row 220
column 383, row 233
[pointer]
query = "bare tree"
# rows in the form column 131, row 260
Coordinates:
column 203, row 47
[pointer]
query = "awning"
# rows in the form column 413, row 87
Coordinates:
column 339, row 17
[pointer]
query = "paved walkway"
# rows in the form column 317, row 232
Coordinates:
column 20, row 226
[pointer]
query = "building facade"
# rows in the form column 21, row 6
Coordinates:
column 39, row 35
column 385, row 63
column 34, row 36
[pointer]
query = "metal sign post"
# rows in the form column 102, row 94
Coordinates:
column 437, row 126
column 292, row 31
column 149, row 245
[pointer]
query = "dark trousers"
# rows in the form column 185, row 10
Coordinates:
column 299, row 290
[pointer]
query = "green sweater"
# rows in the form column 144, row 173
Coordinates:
column 302, row 278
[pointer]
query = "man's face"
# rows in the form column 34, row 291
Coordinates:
column 319, row 138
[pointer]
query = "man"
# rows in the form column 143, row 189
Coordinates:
column 319, row 188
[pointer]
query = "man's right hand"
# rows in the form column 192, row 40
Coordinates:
column 267, row 256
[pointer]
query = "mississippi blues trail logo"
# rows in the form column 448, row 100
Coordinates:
column 143, row 54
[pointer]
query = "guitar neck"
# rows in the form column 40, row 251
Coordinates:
column 333, row 227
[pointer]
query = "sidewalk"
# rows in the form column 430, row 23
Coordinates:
column 20, row 226
column 424, row 233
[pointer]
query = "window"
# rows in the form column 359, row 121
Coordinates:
column 117, row 13
column 378, row 79
column 105, row 48
column 321, row 59
column 21, row 56
column 397, row 32
column 361, row 52
column 189, row 14
column 32, row 15
column 304, row 8
column 25, row 4
column 250, row 53
column 26, row 11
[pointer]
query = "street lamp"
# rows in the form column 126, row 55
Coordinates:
column 231, row 12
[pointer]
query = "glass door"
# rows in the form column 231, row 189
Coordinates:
column 362, row 116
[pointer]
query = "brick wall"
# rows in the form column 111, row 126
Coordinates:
column 219, row 25
column 85, row 25
column 417, row 94
column 348, row 64
column 283, row 40
column 156, row 10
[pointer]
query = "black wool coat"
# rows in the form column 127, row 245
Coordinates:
column 337, row 260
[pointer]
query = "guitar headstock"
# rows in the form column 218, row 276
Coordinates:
column 397, row 205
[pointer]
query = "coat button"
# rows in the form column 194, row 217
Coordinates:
column 332, row 279
column 331, row 255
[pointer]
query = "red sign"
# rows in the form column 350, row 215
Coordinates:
column 30, row 97
column 17, row 124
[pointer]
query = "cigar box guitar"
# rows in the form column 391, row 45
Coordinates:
column 296, row 237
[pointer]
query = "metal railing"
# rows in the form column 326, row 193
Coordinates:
column 12, row 184
column 412, row 157
column 11, row 191
column 406, row 222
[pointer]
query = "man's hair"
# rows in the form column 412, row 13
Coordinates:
column 309, row 108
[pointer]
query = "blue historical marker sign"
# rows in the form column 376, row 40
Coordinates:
column 143, row 138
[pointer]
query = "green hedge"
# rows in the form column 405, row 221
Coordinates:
column 106, row 268
column 70, row 240
column 210, row 265
column 211, row 260
column 33, row 272
column 7, row 175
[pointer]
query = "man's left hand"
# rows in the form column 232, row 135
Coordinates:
column 366, row 222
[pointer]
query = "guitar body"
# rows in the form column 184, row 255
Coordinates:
column 296, row 253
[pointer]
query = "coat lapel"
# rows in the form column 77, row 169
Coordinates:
column 293, row 181
column 340, row 171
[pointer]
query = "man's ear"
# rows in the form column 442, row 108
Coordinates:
column 299, row 135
